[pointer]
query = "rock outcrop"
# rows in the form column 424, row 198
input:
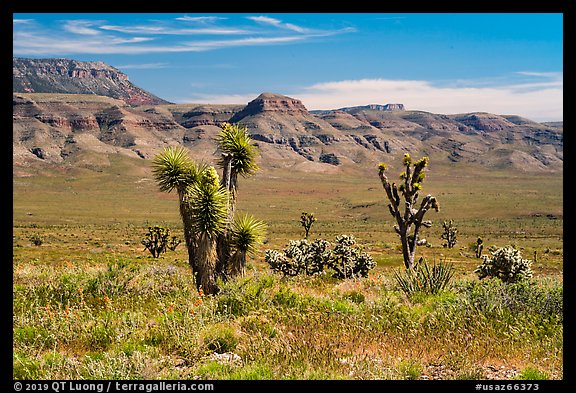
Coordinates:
column 375, row 107
column 270, row 102
column 77, row 77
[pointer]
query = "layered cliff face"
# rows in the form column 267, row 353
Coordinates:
column 55, row 128
column 77, row 77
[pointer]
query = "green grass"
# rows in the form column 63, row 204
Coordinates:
column 148, row 314
column 90, row 303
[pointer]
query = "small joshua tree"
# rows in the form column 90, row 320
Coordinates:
column 479, row 246
column 307, row 219
column 507, row 264
column 450, row 232
column 408, row 215
column 158, row 239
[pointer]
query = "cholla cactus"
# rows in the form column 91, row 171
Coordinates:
column 301, row 256
column 280, row 263
column 507, row 264
column 348, row 260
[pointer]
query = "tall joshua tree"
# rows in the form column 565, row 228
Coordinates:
column 209, row 212
column 203, row 208
column 409, row 216
column 174, row 170
column 207, row 205
column 238, row 158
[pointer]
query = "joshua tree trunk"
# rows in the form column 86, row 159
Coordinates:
column 223, row 241
column 238, row 264
column 206, row 262
column 188, row 229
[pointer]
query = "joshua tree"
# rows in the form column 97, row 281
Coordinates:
column 157, row 240
column 307, row 219
column 209, row 218
column 174, row 170
column 247, row 232
column 207, row 204
column 203, row 208
column 411, row 219
column 479, row 246
column 238, row 158
column 449, row 234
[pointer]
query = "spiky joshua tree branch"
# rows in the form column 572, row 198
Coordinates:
column 409, row 215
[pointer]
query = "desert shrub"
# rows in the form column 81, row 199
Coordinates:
column 113, row 281
column 507, row 264
column 354, row 296
column 346, row 260
column 239, row 297
column 221, row 339
column 493, row 296
column 410, row 369
column 36, row 239
column 424, row 278
column 532, row 374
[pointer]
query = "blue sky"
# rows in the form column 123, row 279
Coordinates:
column 443, row 63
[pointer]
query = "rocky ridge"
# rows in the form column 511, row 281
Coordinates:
column 91, row 107
column 77, row 77
column 53, row 128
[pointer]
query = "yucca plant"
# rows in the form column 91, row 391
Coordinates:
column 425, row 279
column 246, row 234
column 237, row 149
column 173, row 169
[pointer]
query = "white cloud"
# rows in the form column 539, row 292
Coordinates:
column 99, row 37
column 83, row 27
column 166, row 30
column 535, row 101
column 542, row 102
column 278, row 23
column 200, row 19
column 553, row 75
